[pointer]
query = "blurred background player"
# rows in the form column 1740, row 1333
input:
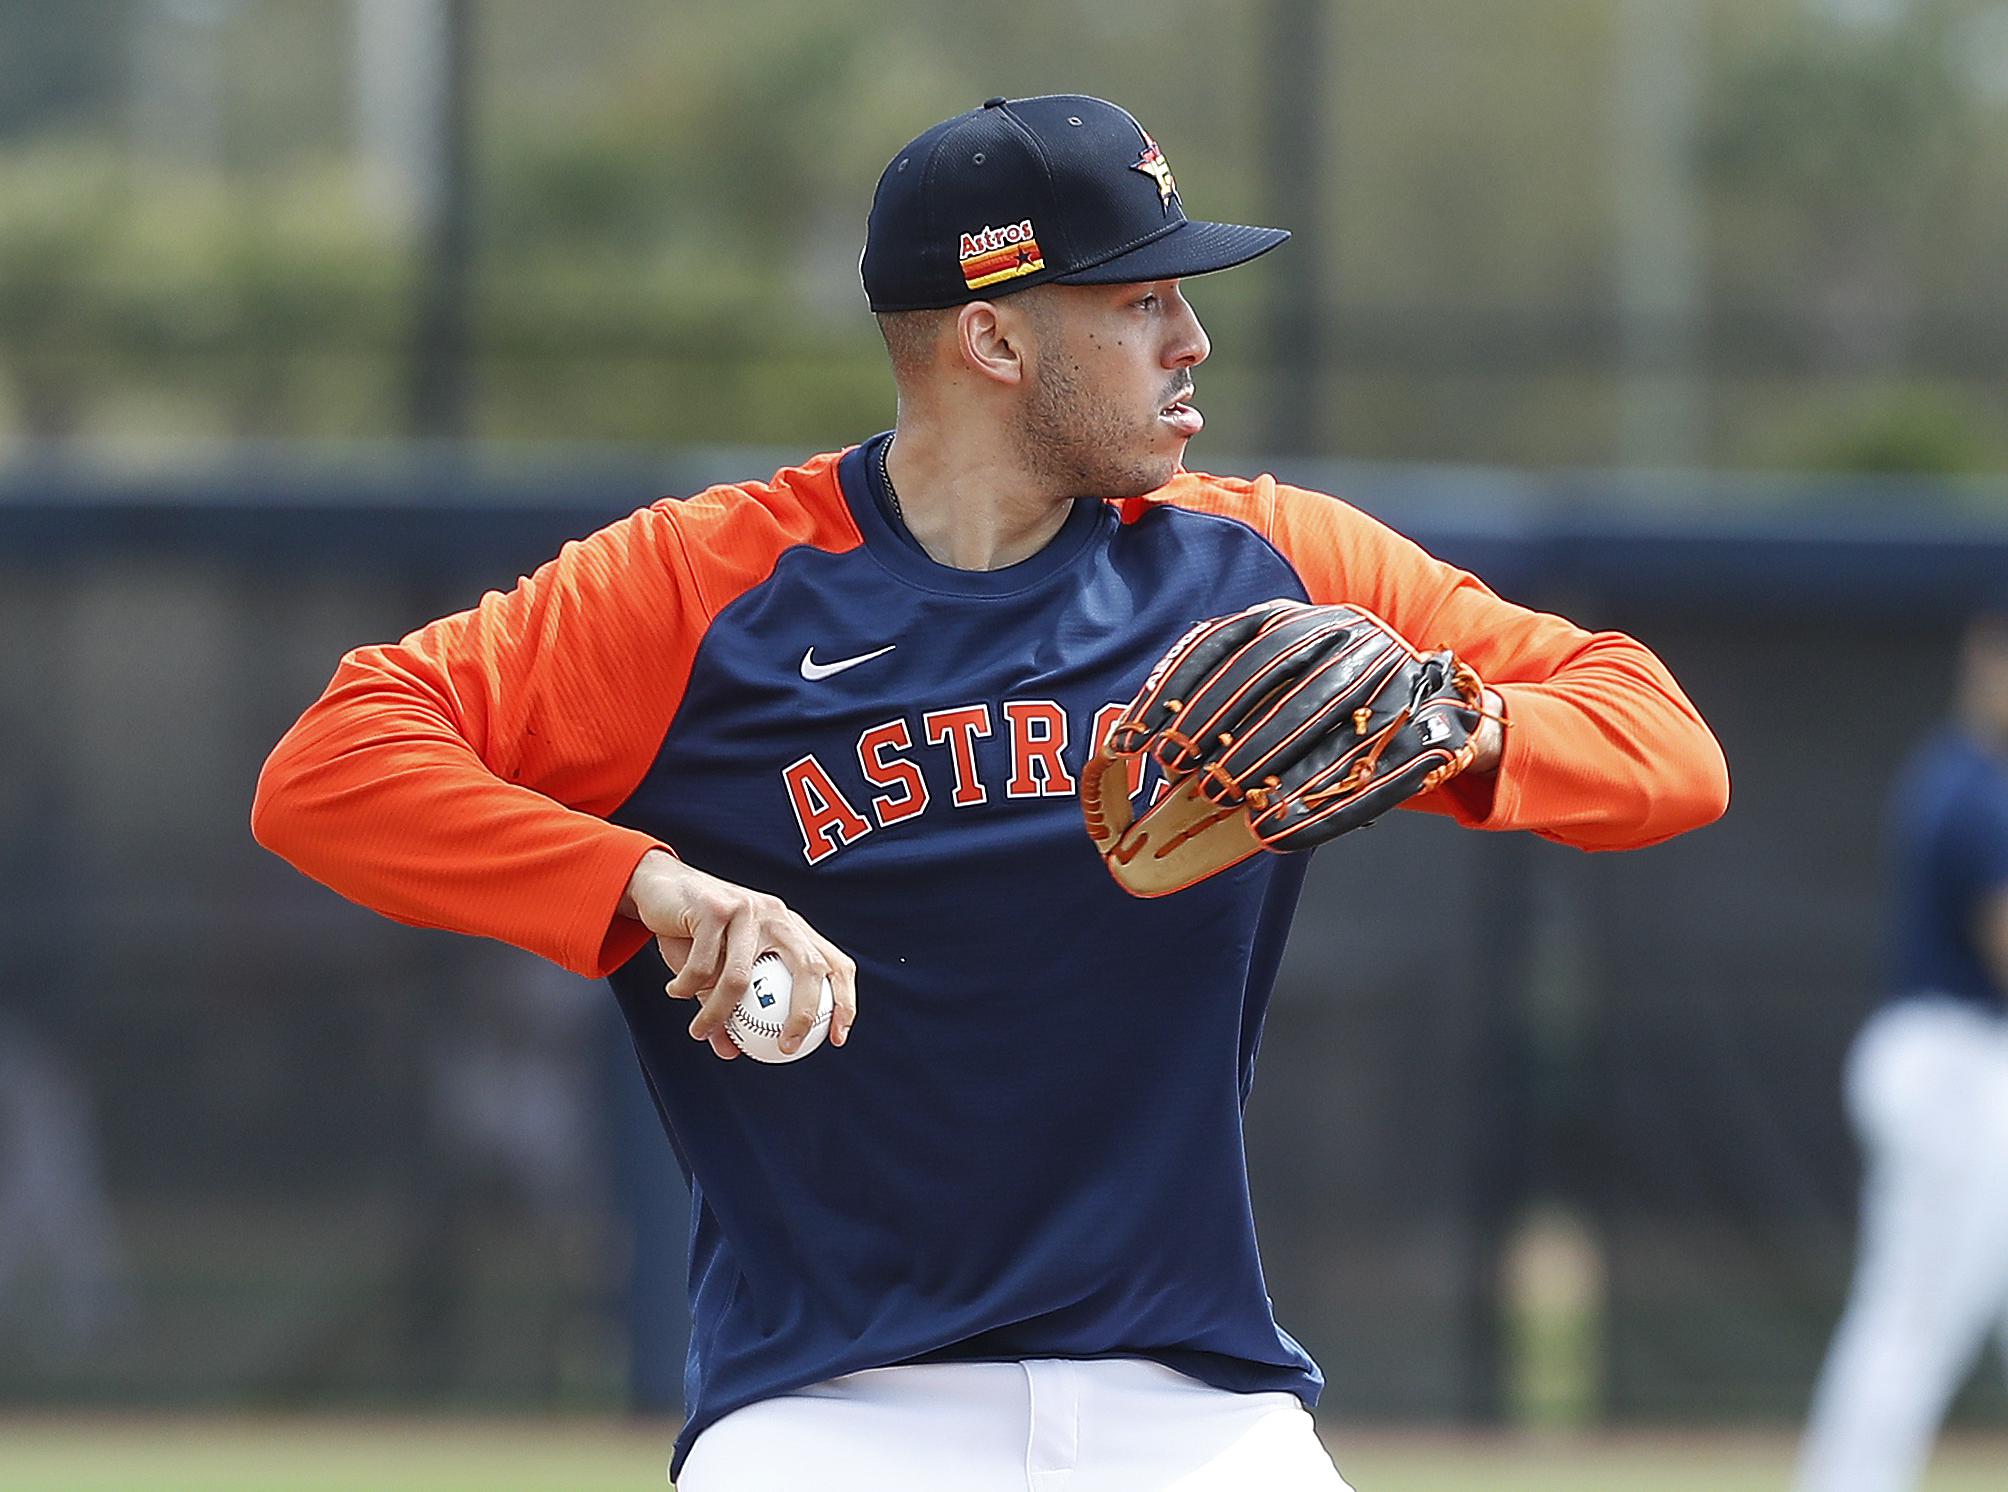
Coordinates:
column 1927, row 1090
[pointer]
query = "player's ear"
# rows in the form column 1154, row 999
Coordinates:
column 991, row 342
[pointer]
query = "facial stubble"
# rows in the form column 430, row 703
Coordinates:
column 1077, row 440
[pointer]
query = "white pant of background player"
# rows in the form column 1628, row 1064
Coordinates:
column 1047, row 1425
column 1927, row 1089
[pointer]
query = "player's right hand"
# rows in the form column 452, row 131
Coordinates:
column 710, row 931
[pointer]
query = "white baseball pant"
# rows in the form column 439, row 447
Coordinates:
column 1927, row 1090
column 1044, row 1425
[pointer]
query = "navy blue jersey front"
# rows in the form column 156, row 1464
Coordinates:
column 1032, row 1145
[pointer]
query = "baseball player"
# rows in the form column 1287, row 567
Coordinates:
column 1927, row 1090
column 996, row 1234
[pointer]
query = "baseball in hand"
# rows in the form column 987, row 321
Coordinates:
column 755, row 1024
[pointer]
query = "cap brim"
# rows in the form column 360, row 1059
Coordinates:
column 1191, row 248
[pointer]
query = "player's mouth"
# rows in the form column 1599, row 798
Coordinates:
column 1184, row 420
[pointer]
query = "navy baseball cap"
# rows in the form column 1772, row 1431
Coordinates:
column 1027, row 191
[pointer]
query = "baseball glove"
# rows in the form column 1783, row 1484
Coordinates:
column 1277, row 728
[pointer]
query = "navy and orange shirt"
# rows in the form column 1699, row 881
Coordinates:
column 1031, row 1145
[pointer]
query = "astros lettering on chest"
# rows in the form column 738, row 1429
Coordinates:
column 984, row 755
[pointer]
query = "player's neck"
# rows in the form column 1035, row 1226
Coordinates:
column 970, row 507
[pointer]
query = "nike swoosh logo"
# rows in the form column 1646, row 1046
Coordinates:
column 812, row 670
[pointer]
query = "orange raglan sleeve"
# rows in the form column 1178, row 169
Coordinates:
column 1602, row 749
column 458, row 779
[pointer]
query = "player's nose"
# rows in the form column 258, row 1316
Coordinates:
column 1188, row 344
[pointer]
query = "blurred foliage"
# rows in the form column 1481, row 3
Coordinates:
column 1846, row 124
column 1919, row 432
column 1854, row 164
column 55, row 64
column 63, row 214
column 670, row 203
column 163, row 304
column 1923, row 429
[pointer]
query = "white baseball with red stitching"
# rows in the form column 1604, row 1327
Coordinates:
column 756, row 1022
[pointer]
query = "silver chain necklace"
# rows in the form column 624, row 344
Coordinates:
column 885, row 476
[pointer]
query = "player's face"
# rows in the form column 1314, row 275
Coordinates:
column 1106, row 412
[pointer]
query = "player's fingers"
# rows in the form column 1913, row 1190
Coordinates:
column 735, row 971
column 675, row 950
column 808, row 971
column 699, row 969
column 723, row 1045
column 844, row 986
column 807, row 957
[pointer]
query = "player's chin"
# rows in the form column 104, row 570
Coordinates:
column 1140, row 478
column 1165, row 454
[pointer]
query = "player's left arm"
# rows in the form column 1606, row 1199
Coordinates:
column 1981, row 854
column 1991, row 931
column 1601, row 748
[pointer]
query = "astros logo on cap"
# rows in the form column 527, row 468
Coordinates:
column 1153, row 164
column 994, row 254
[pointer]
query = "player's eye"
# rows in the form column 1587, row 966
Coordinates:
column 1148, row 302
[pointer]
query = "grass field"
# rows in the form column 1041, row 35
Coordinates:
column 81, row 1454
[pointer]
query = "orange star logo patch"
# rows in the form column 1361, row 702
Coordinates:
column 1153, row 164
